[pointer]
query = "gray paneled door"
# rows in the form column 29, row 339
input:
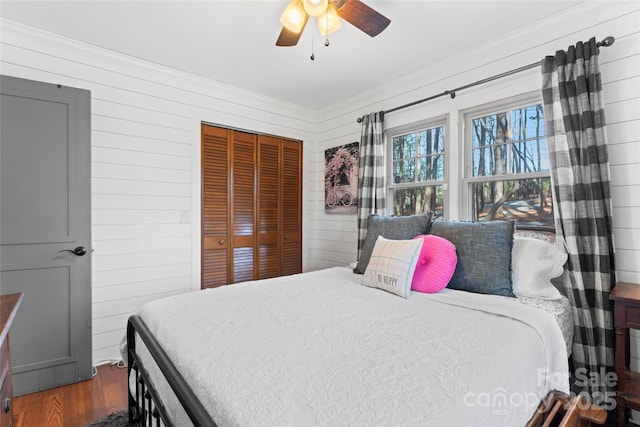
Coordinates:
column 45, row 230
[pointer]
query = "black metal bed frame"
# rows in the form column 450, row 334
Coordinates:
column 145, row 407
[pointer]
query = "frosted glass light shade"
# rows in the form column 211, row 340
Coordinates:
column 293, row 17
column 329, row 21
column 315, row 7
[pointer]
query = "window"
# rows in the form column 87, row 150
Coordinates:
column 507, row 169
column 418, row 171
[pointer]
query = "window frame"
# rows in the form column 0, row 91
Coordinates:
column 466, row 118
column 439, row 121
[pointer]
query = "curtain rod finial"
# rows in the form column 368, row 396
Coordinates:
column 608, row 41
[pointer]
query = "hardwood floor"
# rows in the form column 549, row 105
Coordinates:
column 74, row 405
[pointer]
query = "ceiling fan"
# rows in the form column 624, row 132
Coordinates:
column 295, row 17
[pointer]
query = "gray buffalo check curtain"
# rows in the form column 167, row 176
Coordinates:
column 371, row 191
column 577, row 145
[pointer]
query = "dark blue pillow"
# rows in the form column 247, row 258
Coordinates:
column 393, row 228
column 484, row 255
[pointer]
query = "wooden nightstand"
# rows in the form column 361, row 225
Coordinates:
column 626, row 297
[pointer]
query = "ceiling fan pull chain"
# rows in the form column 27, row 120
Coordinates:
column 326, row 25
column 313, row 56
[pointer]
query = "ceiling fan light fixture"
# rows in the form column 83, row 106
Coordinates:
column 355, row 12
column 329, row 22
column 315, row 7
column 293, row 17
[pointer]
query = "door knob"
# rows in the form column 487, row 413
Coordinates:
column 79, row 251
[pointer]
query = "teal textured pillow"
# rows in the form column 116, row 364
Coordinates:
column 484, row 255
column 390, row 227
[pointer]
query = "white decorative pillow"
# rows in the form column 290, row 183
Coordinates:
column 533, row 264
column 392, row 265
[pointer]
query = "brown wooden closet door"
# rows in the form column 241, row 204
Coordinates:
column 269, row 202
column 291, row 188
column 251, row 206
column 243, row 204
column 215, row 207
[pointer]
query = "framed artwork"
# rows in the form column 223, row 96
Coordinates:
column 341, row 179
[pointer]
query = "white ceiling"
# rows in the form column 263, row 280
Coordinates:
column 233, row 42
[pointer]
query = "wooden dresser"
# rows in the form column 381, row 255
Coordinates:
column 8, row 307
column 626, row 299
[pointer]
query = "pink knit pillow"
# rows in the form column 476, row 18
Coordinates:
column 436, row 264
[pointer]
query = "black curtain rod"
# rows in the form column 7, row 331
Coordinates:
column 608, row 41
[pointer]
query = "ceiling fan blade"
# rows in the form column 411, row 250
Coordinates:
column 289, row 38
column 363, row 17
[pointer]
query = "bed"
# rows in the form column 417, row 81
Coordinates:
column 319, row 348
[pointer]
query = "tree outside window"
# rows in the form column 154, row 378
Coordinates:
column 418, row 172
column 509, row 173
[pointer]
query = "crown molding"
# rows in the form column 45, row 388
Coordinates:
column 27, row 37
column 506, row 51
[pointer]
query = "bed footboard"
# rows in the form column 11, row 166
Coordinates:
column 146, row 408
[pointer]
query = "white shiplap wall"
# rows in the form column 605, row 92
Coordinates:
column 145, row 165
column 620, row 68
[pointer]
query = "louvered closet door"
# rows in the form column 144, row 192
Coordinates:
column 291, row 188
column 215, row 207
column 269, row 202
column 279, row 202
column 251, row 206
column 243, row 205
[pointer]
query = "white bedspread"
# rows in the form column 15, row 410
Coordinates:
column 321, row 349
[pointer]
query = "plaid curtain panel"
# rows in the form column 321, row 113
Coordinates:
column 577, row 146
column 371, row 191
